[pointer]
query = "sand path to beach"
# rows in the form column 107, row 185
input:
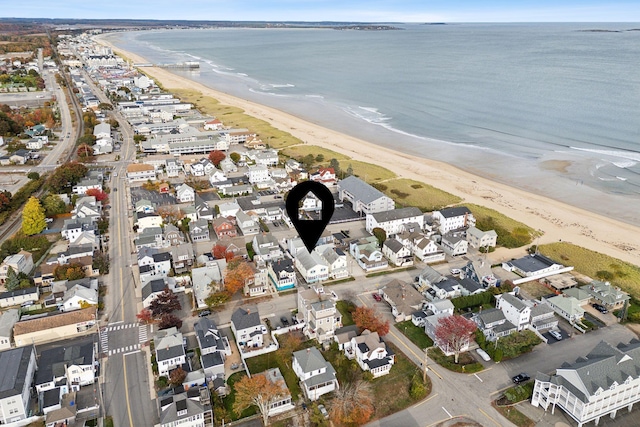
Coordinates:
column 557, row 220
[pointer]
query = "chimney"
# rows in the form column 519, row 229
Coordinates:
column 248, row 311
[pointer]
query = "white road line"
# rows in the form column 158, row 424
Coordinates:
column 476, row 375
column 131, row 352
column 450, row 416
column 115, row 323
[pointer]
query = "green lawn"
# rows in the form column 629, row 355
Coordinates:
column 279, row 360
column 511, row 233
column 466, row 363
column 298, row 152
column 415, row 334
column 345, row 308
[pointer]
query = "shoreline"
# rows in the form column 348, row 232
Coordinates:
column 557, row 220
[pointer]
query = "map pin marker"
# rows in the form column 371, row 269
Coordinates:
column 310, row 206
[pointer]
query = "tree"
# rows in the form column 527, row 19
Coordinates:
column 169, row 321
column 320, row 158
column 100, row 263
column 352, row 404
column 145, row 316
column 605, row 275
column 219, row 251
column 258, row 391
column 217, row 298
column 33, row 175
column 453, row 334
column 216, row 156
column 236, row 275
column 165, row 303
column 85, row 151
column 177, row 376
column 368, row 318
column 12, row 283
column 349, row 170
column 308, row 160
column 170, row 214
column 66, row 176
column 71, row 271
column 53, row 205
column 335, row 164
column 105, row 106
column 100, row 195
column 139, row 138
column 379, row 234
column 33, row 218
column 288, row 343
column 235, row 157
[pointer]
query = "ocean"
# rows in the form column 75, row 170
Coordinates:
column 549, row 108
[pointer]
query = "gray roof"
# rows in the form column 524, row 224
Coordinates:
column 471, row 286
column 13, row 376
column 431, row 275
column 210, row 360
column 51, row 363
column 394, row 245
column 514, row 301
column 161, row 256
column 244, row 318
column 152, row 287
column 310, row 359
column 396, row 214
column 208, row 334
column 7, row 320
column 532, row 263
column 454, row 212
column 174, row 404
column 309, row 260
column 491, row 316
column 360, row 189
column 281, row 265
column 18, row 292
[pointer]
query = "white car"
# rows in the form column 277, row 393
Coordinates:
column 557, row 335
column 323, row 411
column 455, row 271
column 483, row 354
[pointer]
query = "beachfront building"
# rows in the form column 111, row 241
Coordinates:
column 533, row 267
column 481, row 239
column 453, row 218
column 605, row 294
column 454, row 243
column 394, row 221
column 364, row 198
column 601, row 383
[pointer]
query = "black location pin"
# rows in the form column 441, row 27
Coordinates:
column 310, row 206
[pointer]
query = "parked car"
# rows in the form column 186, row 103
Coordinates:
column 377, row 297
column 557, row 335
column 601, row 308
column 323, row 411
column 334, row 296
column 455, row 271
column 285, row 321
column 520, row 378
column 483, row 354
column 204, row 313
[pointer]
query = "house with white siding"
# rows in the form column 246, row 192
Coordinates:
column 169, row 350
column 372, row 353
column 317, row 376
column 312, row 267
column 481, row 239
column 393, row 221
column 396, row 253
column 451, row 219
column 364, row 198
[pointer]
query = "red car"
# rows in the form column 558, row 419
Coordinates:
column 377, row 297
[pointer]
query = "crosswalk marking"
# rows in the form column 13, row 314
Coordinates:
column 142, row 333
column 121, row 327
column 126, row 349
column 104, row 341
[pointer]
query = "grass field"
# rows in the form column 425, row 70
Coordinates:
column 407, row 192
column 535, row 289
column 367, row 172
column 415, row 334
column 235, row 117
column 590, row 263
column 345, row 308
column 299, row 151
column 511, row 233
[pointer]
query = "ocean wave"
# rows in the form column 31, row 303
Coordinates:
column 314, row 96
column 625, row 164
column 621, row 178
column 263, row 92
column 630, row 155
column 274, row 85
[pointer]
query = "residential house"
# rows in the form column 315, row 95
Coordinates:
column 185, row 194
column 396, row 253
column 20, row 157
column 75, row 252
column 54, row 326
column 228, row 166
column 264, row 157
column 281, row 274
column 566, row 307
column 72, row 228
column 72, row 363
column 427, row 277
column 514, row 309
column 154, row 287
column 203, row 209
column 247, row 224
column 605, row 294
column 149, row 237
column 172, row 236
column 169, row 350
column 19, row 296
column 224, row 227
column 430, row 327
column 311, row 266
column 604, row 382
column 481, row 239
column 367, row 254
column 319, row 314
column 191, row 408
column 145, row 220
column 494, row 324
column 393, row 221
column 228, row 209
column 247, row 328
column 426, row 250
column 326, row 176
column 35, row 144
column 282, row 402
column 206, row 279
column 317, row 376
column 173, row 168
column 450, row 219
column 182, row 257
column 454, row 243
column 444, row 289
column 214, row 347
column 437, row 307
column 336, row 260
column 236, row 246
column 480, row 272
column 144, row 205
column 216, row 177
column 87, row 238
column 535, row 266
column 258, row 173
column 199, row 230
column 19, row 365
column 266, row 248
column 372, row 353
column 22, row 262
column 137, row 172
column 79, row 297
column 202, row 167
column 259, row 283
column 87, row 207
column 402, row 298
column 364, row 198
column 7, row 320
column 87, row 184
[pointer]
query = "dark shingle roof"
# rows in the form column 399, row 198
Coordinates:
column 360, row 189
column 13, row 375
column 396, row 214
column 244, row 318
column 454, row 212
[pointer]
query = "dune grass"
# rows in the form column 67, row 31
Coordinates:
column 299, row 151
column 593, row 264
column 511, row 233
column 366, row 171
column 407, row 192
column 236, row 118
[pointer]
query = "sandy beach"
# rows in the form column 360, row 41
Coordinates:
column 556, row 220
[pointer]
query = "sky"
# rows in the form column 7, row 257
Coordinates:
column 333, row 10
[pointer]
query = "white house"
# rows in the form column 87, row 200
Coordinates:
column 426, row 250
column 247, row 224
column 371, row 353
column 450, row 219
column 282, row 274
column 19, row 296
column 317, row 376
column 229, row 209
column 367, row 254
column 481, row 239
column 602, row 383
column 393, row 221
column 258, row 173
column 566, row 307
column 15, row 391
column 79, row 297
column 102, row 130
column 454, row 243
column 514, row 310
column 216, row 177
column 22, row 262
column 7, row 320
column 246, row 326
column 266, row 248
column 214, row 347
column 169, row 350
column 141, row 172
column 185, row 194
column 319, row 314
column 189, row 409
column 336, row 260
column 396, row 253
column 311, row 266
column 326, row 176
column 363, row 197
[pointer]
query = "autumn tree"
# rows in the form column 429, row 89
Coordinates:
column 453, row 334
column 235, row 157
column 216, row 156
column 236, row 275
column 72, row 271
column 177, row 376
column 368, row 318
column 219, row 251
column 258, row 391
column 33, row 218
column 145, row 316
column 288, row 344
column 100, row 195
column 216, row 298
column 85, row 151
column 352, row 404
column 165, row 303
column 53, row 205
column 66, row 176
column 170, row 214
column 169, row 321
